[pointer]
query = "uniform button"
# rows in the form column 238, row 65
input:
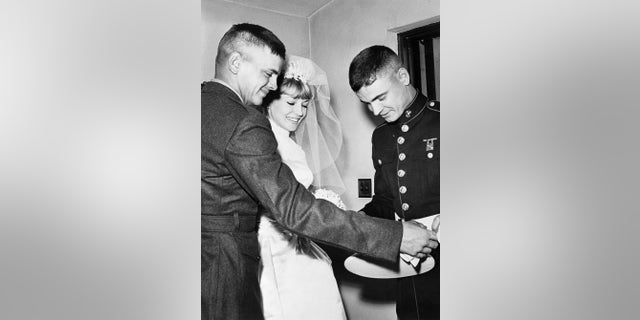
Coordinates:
column 405, row 206
column 429, row 155
column 402, row 156
column 379, row 161
column 401, row 173
column 432, row 103
column 403, row 189
column 404, row 128
column 400, row 140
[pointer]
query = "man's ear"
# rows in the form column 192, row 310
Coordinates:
column 403, row 76
column 234, row 61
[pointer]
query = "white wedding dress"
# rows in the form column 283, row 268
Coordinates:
column 295, row 285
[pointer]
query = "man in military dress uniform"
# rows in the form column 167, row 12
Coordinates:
column 242, row 172
column 406, row 157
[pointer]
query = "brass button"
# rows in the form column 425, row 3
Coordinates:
column 404, row 128
column 405, row 206
column 401, row 173
column 402, row 156
column 400, row 140
column 403, row 189
column 379, row 161
column 429, row 155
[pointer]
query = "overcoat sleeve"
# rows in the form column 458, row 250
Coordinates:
column 253, row 159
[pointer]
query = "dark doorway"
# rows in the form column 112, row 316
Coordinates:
column 419, row 50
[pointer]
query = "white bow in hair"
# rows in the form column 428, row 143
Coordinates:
column 299, row 68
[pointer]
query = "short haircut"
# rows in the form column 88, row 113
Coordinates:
column 368, row 63
column 246, row 34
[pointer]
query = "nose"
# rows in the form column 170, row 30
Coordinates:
column 273, row 82
column 376, row 108
column 297, row 108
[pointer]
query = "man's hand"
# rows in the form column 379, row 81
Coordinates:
column 417, row 240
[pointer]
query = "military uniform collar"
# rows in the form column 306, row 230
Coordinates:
column 415, row 109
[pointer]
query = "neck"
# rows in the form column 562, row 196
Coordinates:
column 410, row 94
column 229, row 81
column 278, row 127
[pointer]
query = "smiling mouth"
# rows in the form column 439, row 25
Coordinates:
column 296, row 120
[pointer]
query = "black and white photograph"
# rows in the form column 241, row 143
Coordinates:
column 318, row 129
column 307, row 100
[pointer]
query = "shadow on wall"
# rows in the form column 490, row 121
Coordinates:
column 371, row 290
column 374, row 119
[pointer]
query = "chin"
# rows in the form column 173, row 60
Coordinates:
column 391, row 119
column 256, row 101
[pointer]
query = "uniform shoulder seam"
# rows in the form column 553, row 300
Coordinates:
column 381, row 125
column 435, row 108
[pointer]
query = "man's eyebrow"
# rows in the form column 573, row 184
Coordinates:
column 272, row 71
column 374, row 99
column 378, row 96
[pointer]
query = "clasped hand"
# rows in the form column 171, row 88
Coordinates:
column 418, row 240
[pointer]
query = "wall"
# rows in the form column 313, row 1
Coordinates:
column 218, row 16
column 337, row 33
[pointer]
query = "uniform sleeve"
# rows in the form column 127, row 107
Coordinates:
column 381, row 205
column 254, row 162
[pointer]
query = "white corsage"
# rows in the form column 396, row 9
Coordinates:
column 330, row 196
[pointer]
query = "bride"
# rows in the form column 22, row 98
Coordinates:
column 297, row 280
